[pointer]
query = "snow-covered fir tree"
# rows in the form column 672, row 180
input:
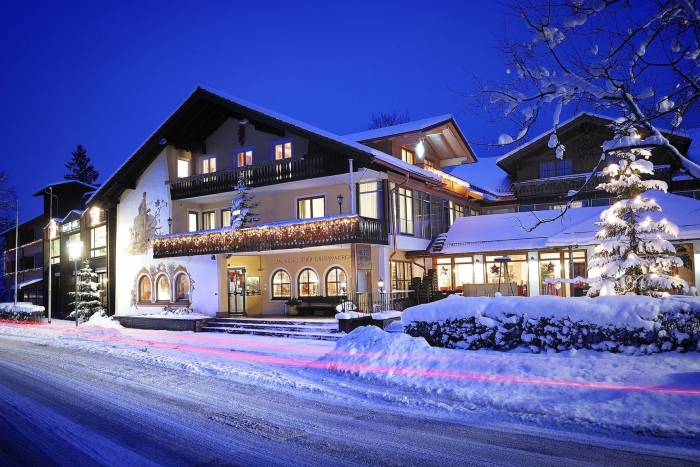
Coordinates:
column 87, row 297
column 80, row 167
column 241, row 207
column 637, row 62
column 633, row 257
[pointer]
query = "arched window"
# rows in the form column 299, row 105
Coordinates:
column 281, row 285
column 336, row 282
column 162, row 289
column 308, row 283
column 145, row 289
column 182, row 288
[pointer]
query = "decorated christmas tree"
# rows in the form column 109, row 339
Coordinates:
column 633, row 257
column 87, row 297
column 242, row 206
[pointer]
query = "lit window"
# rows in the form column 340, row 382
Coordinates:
column 408, row 156
column 183, row 168
column 281, row 285
column 225, row 217
column 162, row 289
column 405, row 211
column 371, row 200
column 145, row 289
column 308, row 208
column 182, row 288
column 208, row 220
column 56, row 251
column 98, row 241
column 192, row 224
column 401, row 275
column 208, row 164
column 282, row 149
column 336, row 282
column 308, row 283
column 244, row 156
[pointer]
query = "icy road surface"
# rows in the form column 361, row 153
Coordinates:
column 99, row 399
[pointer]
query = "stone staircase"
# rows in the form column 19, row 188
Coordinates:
column 282, row 327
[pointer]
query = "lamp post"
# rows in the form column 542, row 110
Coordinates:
column 380, row 284
column 16, row 246
column 340, row 203
column 51, row 225
column 75, row 249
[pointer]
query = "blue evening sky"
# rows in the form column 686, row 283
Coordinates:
column 107, row 74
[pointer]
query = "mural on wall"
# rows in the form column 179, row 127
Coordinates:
column 166, row 278
column 146, row 225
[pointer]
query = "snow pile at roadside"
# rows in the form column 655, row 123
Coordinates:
column 99, row 321
column 658, row 395
column 621, row 311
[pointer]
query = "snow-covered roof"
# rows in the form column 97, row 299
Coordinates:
column 400, row 129
column 64, row 182
column 485, row 175
column 506, row 232
column 380, row 157
column 24, row 284
column 386, row 158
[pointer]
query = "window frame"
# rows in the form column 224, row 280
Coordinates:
column 309, row 283
column 337, row 283
column 280, row 285
column 189, row 218
column 281, row 142
column 310, row 198
column 177, row 280
column 140, row 290
column 408, row 156
column 179, row 165
column 212, row 215
column 244, row 150
column 208, row 158
column 98, row 251
column 167, row 290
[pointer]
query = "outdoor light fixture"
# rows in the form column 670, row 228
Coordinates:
column 243, row 122
column 170, row 224
column 75, row 250
column 162, row 141
column 420, row 149
column 340, row 203
column 380, row 284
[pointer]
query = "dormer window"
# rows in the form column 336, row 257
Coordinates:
column 244, row 156
column 408, row 156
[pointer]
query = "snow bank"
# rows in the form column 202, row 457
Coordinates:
column 550, row 322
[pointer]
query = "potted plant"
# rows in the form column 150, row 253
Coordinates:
column 291, row 306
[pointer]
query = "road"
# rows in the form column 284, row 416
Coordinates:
column 65, row 407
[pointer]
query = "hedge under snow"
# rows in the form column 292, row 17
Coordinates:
column 632, row 324
column 23, row 311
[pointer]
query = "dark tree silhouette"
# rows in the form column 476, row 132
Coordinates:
column 382, row 120
column 80, row 167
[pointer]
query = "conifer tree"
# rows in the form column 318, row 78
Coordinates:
column 632, row 256
column 241, row 207
column 80, row 167
column 87, row 297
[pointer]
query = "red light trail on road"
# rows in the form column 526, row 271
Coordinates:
column 114, row 335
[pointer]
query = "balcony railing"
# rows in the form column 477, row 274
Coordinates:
column 263, row 174
column 562, row 185
column 276, row 236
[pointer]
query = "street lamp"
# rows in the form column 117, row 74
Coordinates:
column 380, row 284
column 75, row 250
column 340, row 203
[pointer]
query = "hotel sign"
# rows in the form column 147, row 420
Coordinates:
column 70, row 226
column 364, row 257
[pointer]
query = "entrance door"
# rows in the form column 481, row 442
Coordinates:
column 236, row 291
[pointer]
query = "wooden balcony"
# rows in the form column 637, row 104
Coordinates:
column 557, row 186
column 275, row 236
column 263, row 174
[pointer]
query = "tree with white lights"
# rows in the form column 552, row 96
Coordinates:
column 242, row 206
column 637, row 61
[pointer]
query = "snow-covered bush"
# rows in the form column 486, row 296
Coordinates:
column 178, row 310
column 23, row 311
column 616, row 324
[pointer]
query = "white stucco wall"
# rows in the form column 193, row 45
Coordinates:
column 133, row 256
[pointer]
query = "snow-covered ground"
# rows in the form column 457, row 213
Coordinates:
column 650, row 399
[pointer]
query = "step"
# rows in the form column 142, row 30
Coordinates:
column 331, row 336
column 276, row 327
